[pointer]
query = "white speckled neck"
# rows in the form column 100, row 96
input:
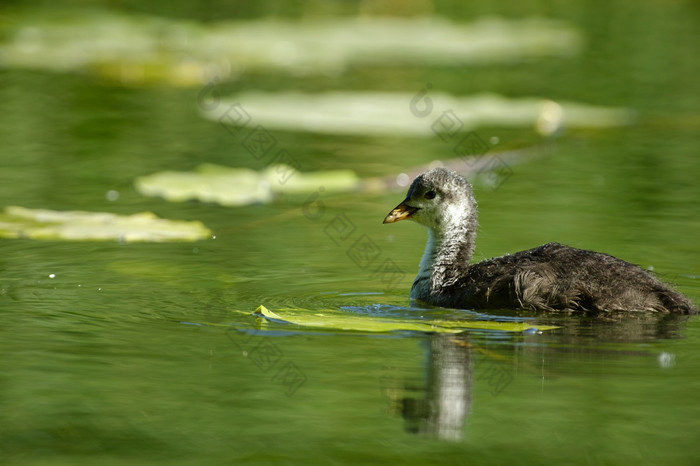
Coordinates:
column 447, row 253
column 425, row 268
column 453, row 252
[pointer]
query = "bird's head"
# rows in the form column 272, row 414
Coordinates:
column 438, row 199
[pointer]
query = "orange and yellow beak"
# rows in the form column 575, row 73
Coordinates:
column 402, row 211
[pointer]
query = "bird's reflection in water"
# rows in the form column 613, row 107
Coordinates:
column 439, row 406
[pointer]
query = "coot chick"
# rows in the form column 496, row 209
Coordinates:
column 552, row 277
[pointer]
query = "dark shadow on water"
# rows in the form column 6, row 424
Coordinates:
column 614, row 328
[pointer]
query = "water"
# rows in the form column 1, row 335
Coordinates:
column 147, row 353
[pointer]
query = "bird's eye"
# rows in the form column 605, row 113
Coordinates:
column 430, row 194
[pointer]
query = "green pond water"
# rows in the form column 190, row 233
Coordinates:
column 147, row 353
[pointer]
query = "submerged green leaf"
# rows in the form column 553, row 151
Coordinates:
column 20, row 222
column 338, row 320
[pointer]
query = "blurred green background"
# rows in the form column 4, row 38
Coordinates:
column 136, row 352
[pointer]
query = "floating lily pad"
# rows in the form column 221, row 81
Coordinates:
column 240, row 186
column 283, row 178
column 382, row 113
column 338, row 320
column 208, row 183
column 20, row 222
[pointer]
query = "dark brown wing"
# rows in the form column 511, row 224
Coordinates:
column 558, row 277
